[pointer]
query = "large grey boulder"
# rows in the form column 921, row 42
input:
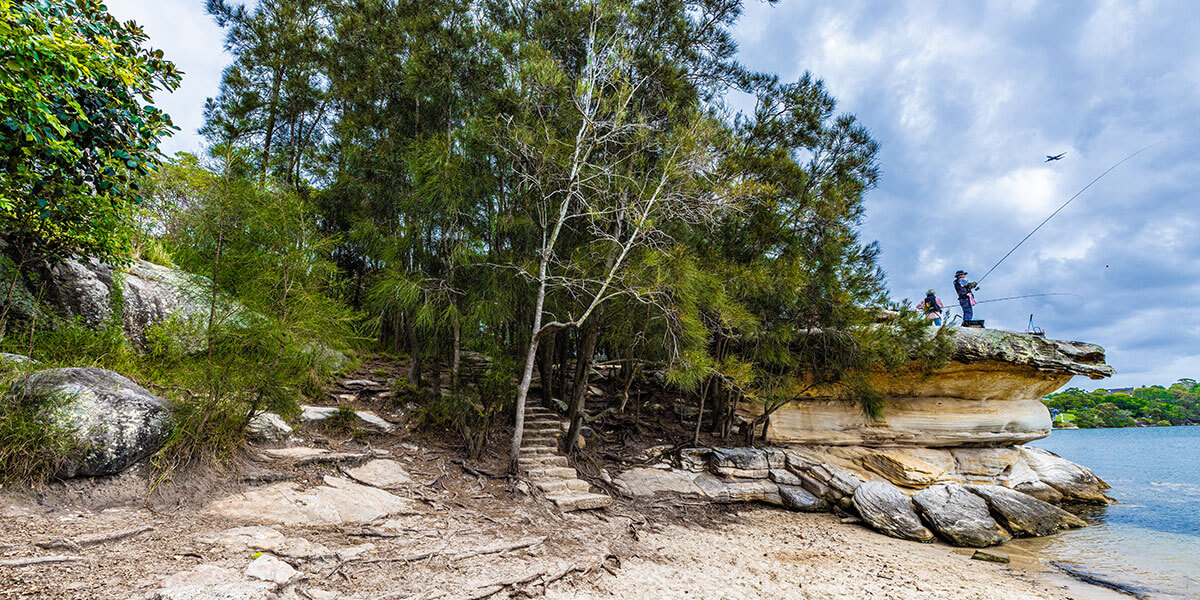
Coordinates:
column 149, row 294
column 798, row 498
column 115, row 422
column 1022, row 514
column 1076, row 483
column 888, row 510
column 959, row 516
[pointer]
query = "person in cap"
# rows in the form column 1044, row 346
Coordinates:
column 966, row 294
column 932, row 306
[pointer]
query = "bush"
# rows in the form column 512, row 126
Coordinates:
column 31, row 448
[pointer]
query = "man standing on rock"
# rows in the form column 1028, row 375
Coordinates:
column 966, row 294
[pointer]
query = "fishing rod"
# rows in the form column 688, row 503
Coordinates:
column 1064, row 205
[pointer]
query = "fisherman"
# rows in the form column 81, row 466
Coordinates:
column 932, row 306
column 966, row 294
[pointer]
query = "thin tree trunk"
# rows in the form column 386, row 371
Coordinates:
column 700, row 415
column 276, row 81
column 583, row 368
column 527, row 375
column 456, row 359
column 414, row 351
column 562, row 344
column 546, row 351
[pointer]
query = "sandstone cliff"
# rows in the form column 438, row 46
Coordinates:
column 988, row 395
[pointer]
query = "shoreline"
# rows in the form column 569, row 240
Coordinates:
column 764, row 552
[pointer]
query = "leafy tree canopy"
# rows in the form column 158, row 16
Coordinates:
column 76, row 130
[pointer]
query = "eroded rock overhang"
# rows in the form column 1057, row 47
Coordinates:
column 987, row 395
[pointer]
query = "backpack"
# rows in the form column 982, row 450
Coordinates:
column 931, row 305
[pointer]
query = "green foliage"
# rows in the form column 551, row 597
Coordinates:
column 75, row 137
column 31, row 447
column 1178, row 404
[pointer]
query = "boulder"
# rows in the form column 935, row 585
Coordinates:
column 797, row 498
column 643, row 482
column 901, row 468
column 888, row 510
column 150, row 294
column 1024, row 515
column 959, row 516
column 268, row 427
column 115, row 422
column 749, row 463
column 1075, row 482
column 732, row 490
column 13, row 361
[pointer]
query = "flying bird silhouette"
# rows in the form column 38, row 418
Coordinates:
column 1057, row 157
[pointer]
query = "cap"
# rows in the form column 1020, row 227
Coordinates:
column 960, row 272
column 930, row 293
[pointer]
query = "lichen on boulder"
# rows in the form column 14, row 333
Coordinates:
column 114, row 421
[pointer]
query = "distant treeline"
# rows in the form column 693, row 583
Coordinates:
column 1178, row 404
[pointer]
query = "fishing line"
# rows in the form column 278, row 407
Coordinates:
column 1032, row 296
column 1077, row 194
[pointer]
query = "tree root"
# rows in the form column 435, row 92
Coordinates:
column 91, row 540
column 39, row 560
column 494, row 549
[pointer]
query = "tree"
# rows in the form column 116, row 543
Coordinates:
column 592, row 165
column 75, row 138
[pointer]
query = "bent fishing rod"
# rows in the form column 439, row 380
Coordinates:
column 1031, row 296
column 1064, row 205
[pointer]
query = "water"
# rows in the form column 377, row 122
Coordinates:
column 1150, row 539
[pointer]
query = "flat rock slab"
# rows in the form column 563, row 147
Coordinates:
column 382, row 473
column 258, row 537
column 959, row 516
column 888, row 510
column 1022, row 514
column 339, row 502
column 269, row 568
column 368, row 419
column 210, row 582
column 642, row 482
column 798, row 498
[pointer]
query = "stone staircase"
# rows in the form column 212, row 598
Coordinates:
column 548, row 470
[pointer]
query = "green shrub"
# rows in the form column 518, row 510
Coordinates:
column 31, row 448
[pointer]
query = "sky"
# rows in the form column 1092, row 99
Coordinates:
column 966, row 100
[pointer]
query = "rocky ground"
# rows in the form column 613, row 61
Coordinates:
column 392, row 516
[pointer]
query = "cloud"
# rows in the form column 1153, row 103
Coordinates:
column 189, row 38
column 967, row 99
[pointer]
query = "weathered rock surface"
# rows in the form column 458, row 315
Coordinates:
column 986, row 396
column 903, row 469
column 268, row 427
column 210, row 582
column 1076, row 483
column 11, row 361
column 338, row 502
column 366, row 419
column 888, row 510
column 115, row 421
column 269, row 568
column 1023, row 515
column 381, row 473
column 150, row 294
column 645, row 482
column 959, row 516
column 798, row 498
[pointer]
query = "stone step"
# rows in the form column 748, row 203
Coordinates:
column 542, row 432
column 576, row 500
column 539, row 443
column 544, row 461
column 543, row 421
column 540, row 435
column 551, row 486
column 527, row 451
column 552, row 473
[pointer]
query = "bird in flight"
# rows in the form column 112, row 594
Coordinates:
column 1056, row 157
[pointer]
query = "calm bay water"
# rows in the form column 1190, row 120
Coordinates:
column 1150, row 539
